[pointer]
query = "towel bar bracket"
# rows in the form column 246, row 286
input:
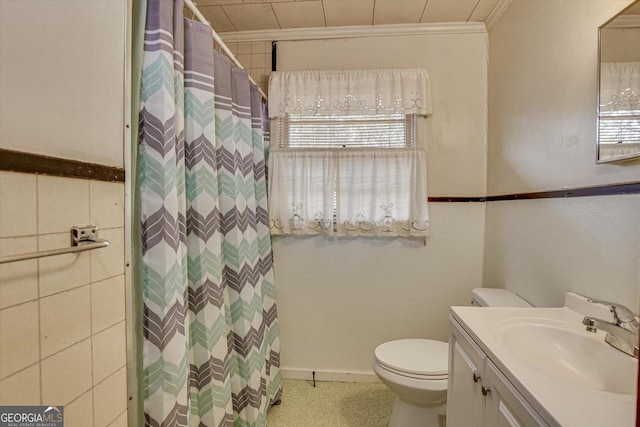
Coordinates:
column 83, row 234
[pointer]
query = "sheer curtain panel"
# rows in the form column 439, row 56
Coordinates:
column 381, row 193
column 301, row 191
column 367, row 192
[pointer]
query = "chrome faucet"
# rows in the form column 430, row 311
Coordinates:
column 622, row 332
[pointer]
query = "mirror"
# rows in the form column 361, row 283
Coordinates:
column 619, row 86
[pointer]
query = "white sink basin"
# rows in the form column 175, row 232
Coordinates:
column 569, row 353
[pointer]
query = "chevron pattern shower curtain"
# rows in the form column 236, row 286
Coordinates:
column 210, row 346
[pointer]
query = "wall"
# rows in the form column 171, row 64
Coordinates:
column 62, row 318
column 63, row 56
column 542, row 135
column 256, row 58
column 339, row 299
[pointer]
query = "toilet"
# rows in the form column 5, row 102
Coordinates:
column 416, row 370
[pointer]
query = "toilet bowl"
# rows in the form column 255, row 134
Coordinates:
column 416, row 370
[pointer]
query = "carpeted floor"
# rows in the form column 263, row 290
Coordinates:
column 332, row 404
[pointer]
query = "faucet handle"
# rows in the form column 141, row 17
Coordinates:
column 620, row 312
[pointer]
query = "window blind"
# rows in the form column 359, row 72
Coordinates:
column 616, row 129
column 323, row 132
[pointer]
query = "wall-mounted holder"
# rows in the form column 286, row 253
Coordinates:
column 83, row 238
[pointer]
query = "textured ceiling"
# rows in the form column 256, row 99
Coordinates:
column 246, row 15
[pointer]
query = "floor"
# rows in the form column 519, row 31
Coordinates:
column 332, row 404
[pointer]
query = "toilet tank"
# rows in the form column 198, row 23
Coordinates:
column 493, row 297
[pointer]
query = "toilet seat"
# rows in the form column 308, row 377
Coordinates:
column 415, row 358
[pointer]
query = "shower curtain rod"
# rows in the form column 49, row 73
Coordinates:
column 192, row 7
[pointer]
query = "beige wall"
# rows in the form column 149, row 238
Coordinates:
column 542, row 97
column 338, row 299
column 61, row 78
column 62, row 318
column 542, row 133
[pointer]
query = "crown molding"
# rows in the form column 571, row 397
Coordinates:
column 324, row 33
column 496, row 13
column 624, row 21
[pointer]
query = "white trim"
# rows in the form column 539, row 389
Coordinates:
column 329, row 375
column 624, row 21
column 323, row 33
column 132, row 373
column 496, row 13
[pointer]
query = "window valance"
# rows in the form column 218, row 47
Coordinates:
column 620, row 88
column 349, row 92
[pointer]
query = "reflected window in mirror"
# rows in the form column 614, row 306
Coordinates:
column 619, row 94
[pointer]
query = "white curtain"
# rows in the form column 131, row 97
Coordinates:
column 382, row 193
column 301, row 187
column 379, row 192
column 348, row 191
column 620, row 88
column 349, row 92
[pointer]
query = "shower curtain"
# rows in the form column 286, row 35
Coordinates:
column 210, row 351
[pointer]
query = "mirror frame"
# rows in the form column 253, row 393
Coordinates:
column 623, row 158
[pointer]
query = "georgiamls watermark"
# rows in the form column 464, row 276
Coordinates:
column 31, row 416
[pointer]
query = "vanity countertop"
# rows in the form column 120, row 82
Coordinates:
column 559, row 401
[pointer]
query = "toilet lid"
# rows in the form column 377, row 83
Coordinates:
column 415, row 356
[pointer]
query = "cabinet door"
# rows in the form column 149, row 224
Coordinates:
column 505, row 406
column 464, row 399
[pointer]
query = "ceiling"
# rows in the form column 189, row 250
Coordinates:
column 247, row 15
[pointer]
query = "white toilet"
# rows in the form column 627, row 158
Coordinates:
column 416, row 370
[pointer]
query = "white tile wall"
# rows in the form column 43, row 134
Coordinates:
column 121, row 421
column 19, row 279
column 21, row 388
column 107, row 303
column 19, row 338
column 65, row 319
column 109, row 352
column 18, row 209
column 110, row 398
column 67, row 374
column 62, row 318
column 106, row 205
column 62, row 203
column 109, row 262
column 61, row 272
column 77, row 412
column 255, row 57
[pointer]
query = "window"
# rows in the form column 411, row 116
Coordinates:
column 619, row 109
column 383, row 131
column 345, row 160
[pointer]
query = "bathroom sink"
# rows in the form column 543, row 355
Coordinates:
column 569, row 353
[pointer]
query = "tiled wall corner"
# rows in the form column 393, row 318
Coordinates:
column 62, row 318
column 110, row 398
column 255, row 57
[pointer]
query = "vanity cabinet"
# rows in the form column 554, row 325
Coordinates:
column 479, row 395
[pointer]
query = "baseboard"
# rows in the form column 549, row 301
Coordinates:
column 329, row 375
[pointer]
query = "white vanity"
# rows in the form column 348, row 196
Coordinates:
column 537, row 367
